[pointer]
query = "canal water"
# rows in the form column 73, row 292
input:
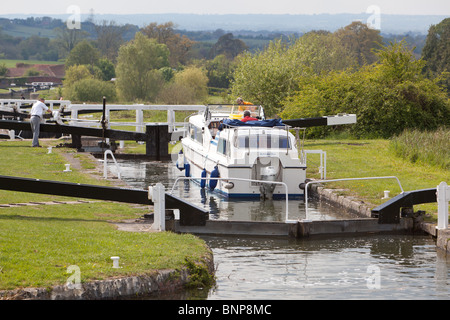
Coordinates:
column 345, row 267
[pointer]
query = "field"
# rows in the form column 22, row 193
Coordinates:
column 10, row 63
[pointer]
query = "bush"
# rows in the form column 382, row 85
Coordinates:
column 189, row 86
column 92, row 90
column 387, row 97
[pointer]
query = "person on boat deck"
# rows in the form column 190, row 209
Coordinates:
column 242, row 105
column 248, row 117
column 241, row 101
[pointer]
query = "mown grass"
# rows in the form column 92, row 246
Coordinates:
column 17, row 158
column 39, row 243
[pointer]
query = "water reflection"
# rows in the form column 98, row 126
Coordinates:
column 401, row 267
column 369, row 267
column 143, row 174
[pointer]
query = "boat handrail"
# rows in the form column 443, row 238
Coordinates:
column 241, row 179
column 283, row 127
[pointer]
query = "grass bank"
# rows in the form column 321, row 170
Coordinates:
column 39, row 243
column 373, row 158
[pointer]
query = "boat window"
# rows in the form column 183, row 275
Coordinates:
column 222, row 146
column 192, row 132
column 263, row 141
column 199, row 135
column 213, row 127
column 196, row 133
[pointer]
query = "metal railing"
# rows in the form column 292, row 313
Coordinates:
column 242, row 179
column 105, row 160
column 345, row 179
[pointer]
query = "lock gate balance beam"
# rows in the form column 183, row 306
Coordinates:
column 188, row 211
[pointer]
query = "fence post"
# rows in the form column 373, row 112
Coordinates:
column 443, row 198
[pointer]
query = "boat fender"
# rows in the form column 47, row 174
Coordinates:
column 229, row 185
column 214, row 174
column 180, row 161
column 203, row 181
column 187, row 170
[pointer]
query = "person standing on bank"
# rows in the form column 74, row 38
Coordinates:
column 37, row 114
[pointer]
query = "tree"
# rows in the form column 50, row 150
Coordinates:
column 75, row 73
column 138, row 65
column 228, row 46
column 270, row 76
column 360, row 40
column 104, row 70
column 436, row 51
column 266, row 77
column 68, row 38
column 109, row 38
column 188, row 86
column 219, row 72
column 387, row 97
column 178, row 46
column 83, row 53
column 38, row 48
column 3, row 69
column 92, row 90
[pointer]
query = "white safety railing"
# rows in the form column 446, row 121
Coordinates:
column 105, row 164
column 139, row 124
column 345, row 179
column 443, row 198
column 242, row 179
column 323, row 161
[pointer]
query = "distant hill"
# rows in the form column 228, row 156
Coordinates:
column 394, row 24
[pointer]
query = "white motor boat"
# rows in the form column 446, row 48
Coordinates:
column 251, row 159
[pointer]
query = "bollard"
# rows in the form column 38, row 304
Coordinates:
column 67, row 167
column 386, row 194
column 49, row 150
column 157, row 194
column 443, row 198
column 115, row 262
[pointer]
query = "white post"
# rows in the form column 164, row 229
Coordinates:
column 73, row 115
column 323, row 161
column 157, row 194
column 171, row 120
column 139, row 120
column 105, row 164
column 443, row 198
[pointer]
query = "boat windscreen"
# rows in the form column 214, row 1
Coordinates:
column 263, row 141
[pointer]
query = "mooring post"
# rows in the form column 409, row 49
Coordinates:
column 157, row 194
column 443, row 198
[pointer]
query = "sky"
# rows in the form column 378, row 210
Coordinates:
column 410, row 7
